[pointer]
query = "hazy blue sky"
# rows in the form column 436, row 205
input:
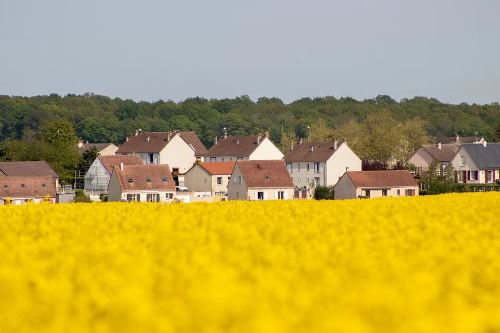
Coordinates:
column 159, row 49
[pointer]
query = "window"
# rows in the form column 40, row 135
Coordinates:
column 130, row 180
column 298, row 167
column 462, row 160
column 317, row 181
column 367, row 193
column 6, row 186
column 307, row 167
column 289, row 167
column 260, row 195
column 213, row 159
column 133, row 197
column 223, row 159
column 148, row 179
column 169, row 196
column 150, row 158
column 489, row 176
column 398, row 192
column 23, row 185
column 473, row 175
column 316, row 167
column 219, row 180
column 239, row 158
column 442, row 169
column 384, row 193
column 44, row 185
column 409, row 192
column 164, row 179
column 237, row 180
column 281, row 195
column 152, row 197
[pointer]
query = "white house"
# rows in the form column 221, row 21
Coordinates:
column 19, row 190
column 237, row 148
column 141, row 183
column 311, row 164
column 180, row 150
column 374, row 184
column 207, row 178
column 477, row 163
column 99, row 173
column 260, row 180
column 104, row 149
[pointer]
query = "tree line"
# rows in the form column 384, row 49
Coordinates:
column 380, row 128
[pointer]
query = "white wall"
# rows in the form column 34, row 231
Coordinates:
column 266, row 151
column 178, row 154
column 270, row 193
column 342, row 160
column 109, row 150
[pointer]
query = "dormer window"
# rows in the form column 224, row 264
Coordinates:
column 148, row 179
column 130, row 180
column 164, row 179
column 23, row 185
column 43, row 185
column 6, row 186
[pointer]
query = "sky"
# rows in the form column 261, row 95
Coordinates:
column 161, row 49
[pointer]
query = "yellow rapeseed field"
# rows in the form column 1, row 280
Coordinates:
column 425, row 264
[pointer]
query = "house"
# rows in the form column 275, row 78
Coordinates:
column 237, row 148
column 373, row 184
column 99, row 173
column 18, row 190
column 104, row 149
column 440, row 155
column 180, row 150
column 141, row 183
column 477, row 163
column 458, row 140
column 260, row 180
column 312, row 164
column 29, row 169
column 209, row 178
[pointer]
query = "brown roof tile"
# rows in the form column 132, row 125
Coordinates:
column 109, row 161
column 27, row 187
column 444, row 154
column 235, row 146
column 218, row 168
column 381, row 179
column 87, row 146
column 154, row 142
column 457, row 140
column 269, row 173
column 27, row 169
column 312, row 152
column 135, row 177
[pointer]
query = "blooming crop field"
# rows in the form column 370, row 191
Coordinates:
column 425, row 264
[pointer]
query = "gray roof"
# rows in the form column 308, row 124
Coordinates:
column 484, row 157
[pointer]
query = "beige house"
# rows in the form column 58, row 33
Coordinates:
column 374, row 184
column 209, row 178
column 180, row 150
column 237, row 148
column 260, row 180
column 440, row 154
column 312, row 164
column 477, row 163
column 104, row 149
column 19, row 190
column 141, row 183
column 29, row 169
column 99, row 173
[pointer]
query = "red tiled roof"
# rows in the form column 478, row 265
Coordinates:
column 154, row 142
column 27, row 169
column 312, row 152
column 109, row 161
column 27, row 187
column 218, row 168
column 381, row 179
column 241, row 146
column 269, row 173
column 135, row 177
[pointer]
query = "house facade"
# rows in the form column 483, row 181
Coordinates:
column 141, row 183
column 180, row 150
column 104, row 149
column 312, row 164
column 19, row 190
column 29, row 169
column 260, row 180
column 439, row 154
column 240, row 148
column 99, row 173
column 477, row 163
column 374, row 184
column 209, row 178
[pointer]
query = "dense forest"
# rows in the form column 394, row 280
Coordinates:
column 380, row 129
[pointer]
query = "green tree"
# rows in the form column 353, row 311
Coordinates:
column 323, row 193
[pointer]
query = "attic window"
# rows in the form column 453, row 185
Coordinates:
column 43, row 185
column 148, row 179
column 164, row 179
column 6, row 186
column 130, row 180
column 23, row 185
column 268, row 178
column 259, row 166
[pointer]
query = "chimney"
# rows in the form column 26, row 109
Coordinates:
column 335, row 145
column 267, row 134
column 311, row 149
column 126, row 139
column 225, row 133
column 80, row 143
column 258, row 138
column 457, row 139
column 291, row 148
column 215, row 141
column 238, row 141
column 147, row 139
column 484, row 143
column 301, row 141
column 140, row 130
column 439, row 145
column 121, row 166
column 136, row 132
column 168, row 136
